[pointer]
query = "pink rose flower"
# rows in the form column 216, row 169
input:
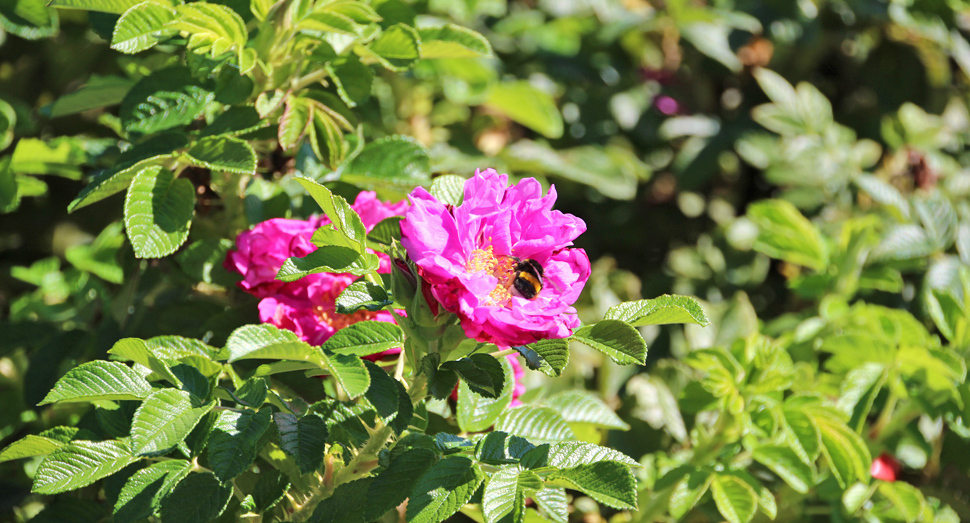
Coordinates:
column 261, row 251
column 305, row 306
column 468, row 256
column 311, row 310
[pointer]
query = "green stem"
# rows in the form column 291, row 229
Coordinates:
column 885, row 416
column 365, row 461
column 359, row 467
column 310, row 79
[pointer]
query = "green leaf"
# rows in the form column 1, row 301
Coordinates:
column 296, row 122
column 845, row 452
column 904, row 242
column 341, row 215
column 214, row 29
column 270, row 490
column 443, row 489
column 158, row 212
column 304, row 439
column 612, row 171
column 142, row 26
column 908, row 500
column 506, row 491
column 395, row 160
column 235, row 121
column 688, row 492
column 352, row 78
column 499, row 448
column 8, row 121
column 164, row 420
column 448, row 189
column 787, row 235
column 99, row 380
column 663, row 310
column 608, row 482
column 79, row 464
column 224, row 153
column 528, row 106
column 392, row 485
column 136, row 350
column 482, row 372
column 100, row 257
column 382, row 393
column 553, row 502
column 397, row 47
column 252, row 392
column 441, row 382
column 100, row 91
column 330, row 258
column 475, row 412
column 859, row 390
column 580, row 406
column 784, row 462
column 854, row 497
column 268, row 342
column 199, row 498
column 735, row 499
column 324, row 22
column 252, row 341
column 884, row 193
column 142, row 495
column 202, row 261
column 618, row 340
column 346, row 505
column 536, row 424
column 571, row 454
column 104, row 6
column 365, row 338
column 165, row 99
column 107, row 183
column 28, row 19
column 30, row 446
column 9, row 187
column 178, row 347
column 59, row 156
column 553, row 356
column 386, row 231
column 452, row 41
column 232, row 441
column 362, row 294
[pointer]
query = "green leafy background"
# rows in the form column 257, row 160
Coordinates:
column 798, row 167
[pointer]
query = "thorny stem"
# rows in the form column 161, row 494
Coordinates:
column 365, row 460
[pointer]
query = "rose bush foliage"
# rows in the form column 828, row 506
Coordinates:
column 202, row 345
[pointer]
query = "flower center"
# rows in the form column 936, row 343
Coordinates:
column 501, row 267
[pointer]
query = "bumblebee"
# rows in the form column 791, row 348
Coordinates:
column 528, row 278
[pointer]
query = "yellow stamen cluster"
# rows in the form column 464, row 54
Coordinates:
column 501, row 267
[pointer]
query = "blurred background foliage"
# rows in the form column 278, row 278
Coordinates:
column 660, row 123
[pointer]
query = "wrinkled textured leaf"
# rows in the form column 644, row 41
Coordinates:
column 158, row 212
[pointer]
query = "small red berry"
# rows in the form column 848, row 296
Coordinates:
column 885, row 467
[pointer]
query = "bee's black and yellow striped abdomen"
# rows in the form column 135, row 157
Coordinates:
column 528, row 278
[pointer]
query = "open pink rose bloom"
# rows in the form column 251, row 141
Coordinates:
column 470, row 256
column 306, row 306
